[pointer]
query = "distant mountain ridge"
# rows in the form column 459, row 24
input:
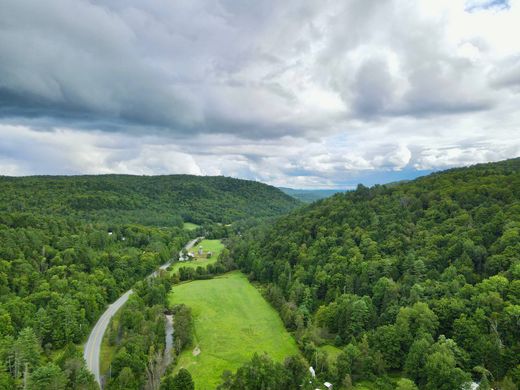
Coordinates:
column 309, row 196
column 151, row 200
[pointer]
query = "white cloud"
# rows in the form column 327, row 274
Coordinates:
column 67, row 151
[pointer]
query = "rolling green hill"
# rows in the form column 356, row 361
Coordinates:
column 150, row 200
column 421, row 278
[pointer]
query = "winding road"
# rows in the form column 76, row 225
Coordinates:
column 92, row 348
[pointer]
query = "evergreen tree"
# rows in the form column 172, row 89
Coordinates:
column 48, row 377
column 182, row 381
column 26, row 351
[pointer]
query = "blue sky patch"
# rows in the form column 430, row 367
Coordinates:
column 477, row 5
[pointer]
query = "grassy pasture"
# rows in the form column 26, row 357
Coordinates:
column 214, row 246
column 232, row 321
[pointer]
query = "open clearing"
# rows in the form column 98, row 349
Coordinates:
column 332, row 352
column 190, row 226
column 232, row 321
column 213, row 246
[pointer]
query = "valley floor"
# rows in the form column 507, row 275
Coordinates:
column 232, row 321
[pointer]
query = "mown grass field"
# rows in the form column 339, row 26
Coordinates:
column 232, row 321
column 214, row 246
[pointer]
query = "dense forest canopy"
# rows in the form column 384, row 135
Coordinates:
column 420, row 278
column 56, row 277
column 150, row 200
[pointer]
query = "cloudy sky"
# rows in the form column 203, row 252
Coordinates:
column 298, row 93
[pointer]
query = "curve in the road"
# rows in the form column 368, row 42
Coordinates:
column 92, row 349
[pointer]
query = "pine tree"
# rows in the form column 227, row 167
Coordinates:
column 183, row 381
column 26, row 351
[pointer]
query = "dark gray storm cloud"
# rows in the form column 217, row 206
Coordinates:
column 224, row 66
column 71, row 59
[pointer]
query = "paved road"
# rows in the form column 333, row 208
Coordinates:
column 92, row 348
column 187, row 247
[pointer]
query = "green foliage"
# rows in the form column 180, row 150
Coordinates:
column 263, row 373
column 391, row 273
column 405, row 384
column 125, row 380
column 25, row 352
column 6, row 381
column 48, row 377
column 147, row 200
column 57, row 276
column 182, row 381
column 416, row 360
column 139, row 337
column 183, row 327
column 442, row 373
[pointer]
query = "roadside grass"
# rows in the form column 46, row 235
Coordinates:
column 232, row 321
column 108, row 352
column 190, row 226
column 214, row 246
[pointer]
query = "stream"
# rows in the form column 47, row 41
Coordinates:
column 169, row 340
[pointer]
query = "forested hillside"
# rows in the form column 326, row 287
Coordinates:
column 150, row 200
column 420, row 279
column 56, row 277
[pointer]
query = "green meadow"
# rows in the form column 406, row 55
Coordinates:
column 232, row 321
column 213, row 246
column 190, row 226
